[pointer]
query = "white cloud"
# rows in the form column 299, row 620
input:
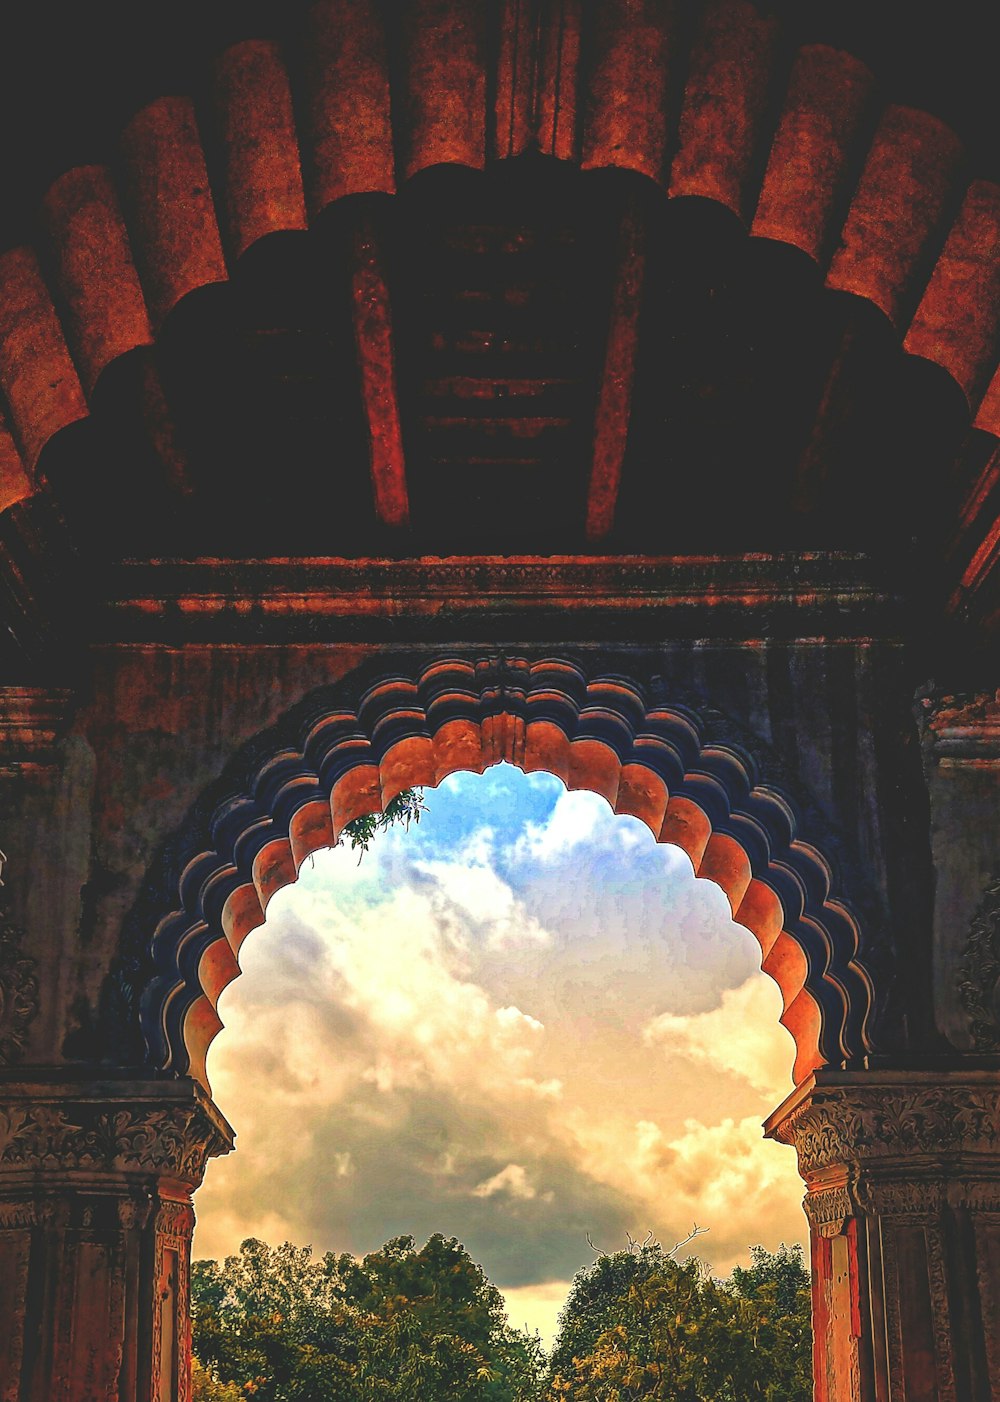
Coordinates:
column 512, row 1181
column 740, row 1037
column 551, row 1089
column 408, row 1022
column 469, row 885
column 573, row 820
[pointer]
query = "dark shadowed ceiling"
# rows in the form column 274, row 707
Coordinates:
column 527, row 278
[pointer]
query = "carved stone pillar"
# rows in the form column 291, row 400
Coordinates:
column 902, row 1171
column 96, row 1219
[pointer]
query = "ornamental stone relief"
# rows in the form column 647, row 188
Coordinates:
column 172, row 1141
column 874, row 1123
column 19, row 999
column 979, row 976
column 828, row 1209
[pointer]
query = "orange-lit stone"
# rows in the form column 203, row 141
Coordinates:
column 37, row 375
column 262, row 171
column 445, row 84
column 311, row 828
column 537, row 76
column 813, row 149
column 786, row 964
column 273, row 868
column 406, row 765
column 726, row 863
column 97, row 277
column 172, row 220
column 355, row 794
column 725, row 103
column 202, row 1025
column 643, row 794
column 594, row 766
column 347, row 87
column 897, row 210
column 15, row 484
column 957, row 323
column 760, row 912
column 217, row 968
column 458, row 745
column 241, row 914
column 804, row 1021
column 546, row 747
column 628, row 90
column 686, row 826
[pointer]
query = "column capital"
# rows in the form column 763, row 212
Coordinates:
column 928, row 1127
column 74, row 1130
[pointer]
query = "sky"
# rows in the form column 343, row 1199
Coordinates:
column 522, row 1023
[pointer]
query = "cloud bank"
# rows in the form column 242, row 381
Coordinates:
column 520, row 1023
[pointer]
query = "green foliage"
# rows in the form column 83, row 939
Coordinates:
column 277, row 1324
column 640, row 1325
column 403, row 1323
column 205, row 1387
column 405, row 809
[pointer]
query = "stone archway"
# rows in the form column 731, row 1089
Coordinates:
column 342, row 755
column 901, row 1161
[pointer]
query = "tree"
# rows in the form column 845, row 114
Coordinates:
column 273, row 1321
column 640, row 1325
column 283, row 1326
column 436, row 1327
column 205, row 1387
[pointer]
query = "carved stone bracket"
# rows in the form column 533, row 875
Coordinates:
column 166, row 1129
column 829, row 1208
column 18, row 993
column 960, row 727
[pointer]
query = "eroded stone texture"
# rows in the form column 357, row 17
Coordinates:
column 96, row 1177
column 902, row 1173
column 961, row 744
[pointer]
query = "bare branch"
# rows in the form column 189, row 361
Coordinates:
column 695, row 1231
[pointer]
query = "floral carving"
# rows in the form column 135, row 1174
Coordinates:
column 828, row 1209
column 18, row 993
column 173, row 1140
column 865, row 1123
column 979, row 978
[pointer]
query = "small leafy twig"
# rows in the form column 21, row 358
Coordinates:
column 405, row 808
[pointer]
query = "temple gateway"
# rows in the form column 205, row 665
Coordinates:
column 396, row 387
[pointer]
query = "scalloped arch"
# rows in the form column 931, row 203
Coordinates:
column 878, row 197
column 599, row 733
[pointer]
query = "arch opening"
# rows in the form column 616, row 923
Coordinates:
column 501, row 1019
column 340, row 758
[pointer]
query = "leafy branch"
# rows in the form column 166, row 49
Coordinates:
column 404, row 809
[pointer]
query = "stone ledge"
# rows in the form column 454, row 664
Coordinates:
column 56, row 1125
column 803, row 594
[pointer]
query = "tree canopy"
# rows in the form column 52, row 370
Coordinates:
column 278, row 1324
column 283, row 1326
column 640, row 1325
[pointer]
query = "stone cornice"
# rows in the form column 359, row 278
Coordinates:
column 891, row 1123
column 803, row 594
column 165, row 1129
